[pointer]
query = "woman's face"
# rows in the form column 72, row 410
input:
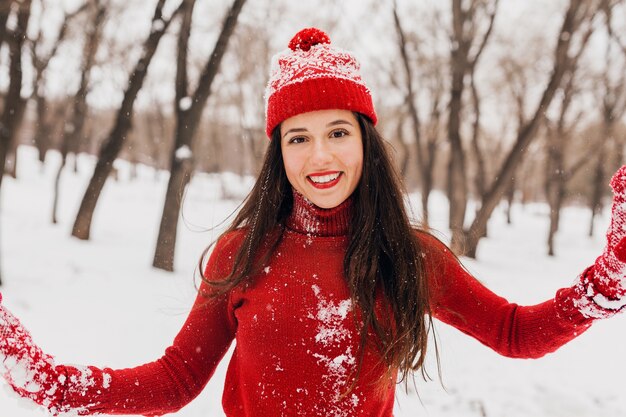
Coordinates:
column 323, row 155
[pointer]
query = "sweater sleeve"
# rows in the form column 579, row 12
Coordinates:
column 169, row 383
column 460, row 300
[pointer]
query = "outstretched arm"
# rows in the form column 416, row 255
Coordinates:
column 533, row 331
column 512, row 330
column 152, row 389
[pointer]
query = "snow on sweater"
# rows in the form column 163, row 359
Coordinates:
column 296, row 339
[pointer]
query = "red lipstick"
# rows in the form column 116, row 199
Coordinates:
column 329, row 183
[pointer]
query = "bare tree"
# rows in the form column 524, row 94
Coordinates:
column 465, row 37
column 40, row 60
column 559, row 136
column 412, row 108
column 517, row 77
column 112, row 146
column 510, row 198
column 188, row 114
column 481, row 175
column 425, row 145
column 579, row 14
column 156, row 127
column 73, row 132
column 14, row 103
column 480, row 179
column 399, row 117
column 253, row 52
column 5, row 10
column 518, row 85
column 237, row 103
column 406, row 153
column 613, row 106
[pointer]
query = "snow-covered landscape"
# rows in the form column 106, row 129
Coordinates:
column 100, row 302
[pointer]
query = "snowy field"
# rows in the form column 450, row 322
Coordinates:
column 101, row 303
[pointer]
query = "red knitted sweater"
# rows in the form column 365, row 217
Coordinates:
column 296, row 341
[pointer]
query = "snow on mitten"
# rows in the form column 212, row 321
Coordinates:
column 30, row 372
column 603, row 285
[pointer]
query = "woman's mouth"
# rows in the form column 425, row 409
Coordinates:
column 324, row 180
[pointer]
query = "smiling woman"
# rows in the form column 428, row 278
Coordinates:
column 323, row 155
column 325, row 286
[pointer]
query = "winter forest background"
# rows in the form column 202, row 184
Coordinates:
column 130, row 128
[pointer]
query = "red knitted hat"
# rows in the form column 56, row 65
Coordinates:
column 313, row 75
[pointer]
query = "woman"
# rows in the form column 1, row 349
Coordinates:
column 321, row 280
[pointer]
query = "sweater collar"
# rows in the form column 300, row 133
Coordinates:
column 309, row 219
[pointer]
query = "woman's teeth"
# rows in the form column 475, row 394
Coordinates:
column 321, row 179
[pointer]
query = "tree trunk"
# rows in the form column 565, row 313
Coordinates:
column 556, row 174
column 187, row 124
column 158, row 132
column 457, row 187
column 555, row 216
column 42, row 135
column 13, row 103
column 410, row 93
column 618, row 159
column 464, row 34
column 526, row 134
column 510, row 195
column 11, row 170
column 555, row 167
column 613, row 103
column 432, row 146
column 480, row 181
column 404, row 157
column 598, row 180
column 73, row 132
column 112, row 146
column 598, row 185
column 423, row 166
column 555, row 188
column 57, row 182
column 5, row 10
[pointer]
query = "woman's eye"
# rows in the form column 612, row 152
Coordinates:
column 338, row 133
column 297, row 139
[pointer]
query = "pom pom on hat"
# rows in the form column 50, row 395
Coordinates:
column 307, row 38
column 314, row 75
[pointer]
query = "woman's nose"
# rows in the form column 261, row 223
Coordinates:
column 322, row 153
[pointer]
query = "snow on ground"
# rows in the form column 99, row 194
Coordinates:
column 101, row 303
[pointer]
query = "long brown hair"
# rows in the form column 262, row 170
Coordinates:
column 387, row 260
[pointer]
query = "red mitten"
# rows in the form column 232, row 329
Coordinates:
column 603, row 286
column 29, row 371
column 33, row 374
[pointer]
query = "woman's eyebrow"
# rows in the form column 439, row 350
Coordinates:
column 338, row 122
column 295, row 130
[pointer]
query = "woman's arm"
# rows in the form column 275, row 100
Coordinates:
column 532, row 331
column 515, row 331
column 156, row 388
